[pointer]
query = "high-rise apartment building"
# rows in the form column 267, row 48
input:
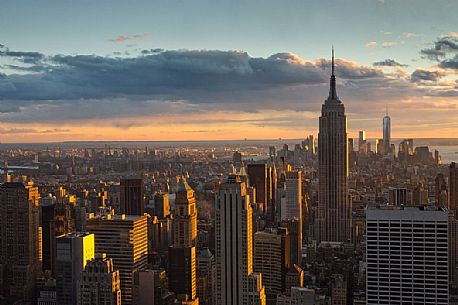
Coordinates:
column 182, row 253
column 124, row 239
column 236, row 284
column 333, row 221
column 131, row 196
column 100, row 283
column 407, row 255
column 18, row 240
column 73, row 251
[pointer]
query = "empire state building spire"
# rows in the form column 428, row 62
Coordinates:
column 333, row 220
column 332, row 88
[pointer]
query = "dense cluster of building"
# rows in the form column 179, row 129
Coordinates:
column 325, row 223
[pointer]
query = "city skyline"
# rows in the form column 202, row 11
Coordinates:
column 152, row 79
column 228, row 152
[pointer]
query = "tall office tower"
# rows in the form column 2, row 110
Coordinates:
column 271, row 259
column 18, row 240
column 73, row 251
column 144, row 292
column 161, row 205
column 271, row 193
column 293, row 192
column 407, row 255
column 441, row 191
column 453, row 225
column 160, row 234
column 100, row 283
column 206, row 277
column 237, row 159
column 334, row 207
column 48, row 235
column 272, row 152
column 234, row 246
column 125, row 240
column 387, row 132
column 398, row 196
column 405, row 150
column 293, row 211
column 295, row 239
column 453, row 251
column 420, row 195
column 257, row 177
column 362, row 143
column 182, row 254
column 453, row 188
column 131, row 196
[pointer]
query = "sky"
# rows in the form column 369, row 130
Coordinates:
column 208, row 70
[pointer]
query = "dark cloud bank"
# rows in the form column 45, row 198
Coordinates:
column 59, row 87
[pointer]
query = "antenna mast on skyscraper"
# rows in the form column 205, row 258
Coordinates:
column 333, row 60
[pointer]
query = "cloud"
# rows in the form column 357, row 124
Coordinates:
column 122, row 38
column 410, row 34
column 388, row 44
column 444, row 51
column 158, row 74
column 371, row 44
column 420, row 75
column 16, row 130
column 157, row 83
column 443, row 46
column 25, row 57
column 451, row 63
column 388, row 63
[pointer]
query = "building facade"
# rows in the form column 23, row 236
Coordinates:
column 131, row 196
column 271, row 259
column 407, row 255
column 182, row 253
column 100, row 283
column 19, row 248
column 73, row 251
column 236, row 284
column 124, row 239
column 333, row 221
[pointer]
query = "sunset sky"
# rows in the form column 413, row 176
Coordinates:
column 191, row 70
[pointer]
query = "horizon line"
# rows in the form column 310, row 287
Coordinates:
column 211, row 140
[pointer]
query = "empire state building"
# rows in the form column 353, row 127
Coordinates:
column 333, row 222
